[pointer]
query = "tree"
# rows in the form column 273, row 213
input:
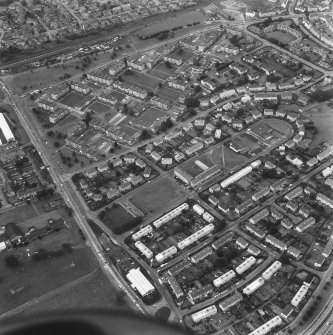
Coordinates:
column 12, row 261
column 192, row 102
column 86, row 119
column 168, row 64
column 120, row 297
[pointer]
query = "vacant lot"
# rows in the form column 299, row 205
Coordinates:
column 157, row 196
column 75, row 295
column 281, row 36
column 18, row 214
column 32, row 279
column 158, row 74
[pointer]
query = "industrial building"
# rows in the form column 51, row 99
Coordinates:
column 5, row 129
column 236, row 176
column 140, row 282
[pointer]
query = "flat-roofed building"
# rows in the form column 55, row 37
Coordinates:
column 252, row 287
column 201, row 255
column 226, row 277
column 230, row 302
column 305, row 224
column 299, row 296
column 264, row 213
column 247, row 264
column 275, row 242
column 204, row 313
column 268, row 326
column 175, row 287
column 139, row 282
column 271, row 270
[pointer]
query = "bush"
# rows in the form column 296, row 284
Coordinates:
column 12, row 261
column 163, row 314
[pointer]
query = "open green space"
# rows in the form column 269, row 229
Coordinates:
column 231, row 158
column 157, row 196
column 168, row 93
column 99, row 107
column 19, row 214
column 31, row 279
column 144, row 81
column 2, row 95
column 72, row 99
column 90, row 291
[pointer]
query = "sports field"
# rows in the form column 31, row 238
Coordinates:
column 168, row 93
column 231, row 158
column 115, row 217
column 156, row 197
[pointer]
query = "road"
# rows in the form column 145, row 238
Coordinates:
column 70, row 198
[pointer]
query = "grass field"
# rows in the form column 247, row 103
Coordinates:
column 99, row 107
column 91, row 291
column 231, row 158
column 116, row 217
column 157, row 196
column 158, row 74
column 18, row 214
column 168, row 93
column 2, row 95
column 38, row 278
column 144, row 81
column 72, row 99
column 323, row 120
column 280, row 36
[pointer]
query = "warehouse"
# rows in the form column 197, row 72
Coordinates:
column 204, row 313
column 269, row 272
column 140, row 282
column 231, row 301
column 6, row 131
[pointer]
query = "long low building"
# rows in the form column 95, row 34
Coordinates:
column 144, row 249
column 142, row 232
column 275, row 242
column 268, row 326
column 171, row 215
column 324, row 200
column 231, row 301
column 6, row 131
column 305, row 224
column 204, row 313
column 195, row 236
column 222, row 240
column 252, row 287
column 162, row 256
column 175, row 287
column 236, row 176
column 273, row 268
column 259, row 216
column 139, row 282
column 299, row 296
column 224, row 278
column 328, row 247
column 201, row 255
column 241, row 268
